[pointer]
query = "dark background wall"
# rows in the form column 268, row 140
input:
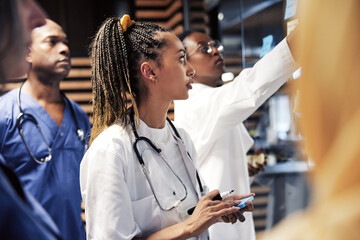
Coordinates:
column 81, row 18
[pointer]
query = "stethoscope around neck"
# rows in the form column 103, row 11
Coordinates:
column 27, row 116
column 158, row 151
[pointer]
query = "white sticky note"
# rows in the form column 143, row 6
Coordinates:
column 290, row 9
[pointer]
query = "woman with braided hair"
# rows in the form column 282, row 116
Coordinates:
column 138, row 179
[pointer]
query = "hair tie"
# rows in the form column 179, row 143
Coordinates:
column 126, row 22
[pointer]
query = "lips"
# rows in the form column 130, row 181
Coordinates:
column 188, row 85
column 65, row 61
column 220, row 61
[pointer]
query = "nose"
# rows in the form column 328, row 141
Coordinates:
column 214, row 50
column 64, row 49
column 190, row 71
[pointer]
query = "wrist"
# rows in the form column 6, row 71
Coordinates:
column 187, row 229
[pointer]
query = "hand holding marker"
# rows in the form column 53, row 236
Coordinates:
column 223, row 195
column 219, row 197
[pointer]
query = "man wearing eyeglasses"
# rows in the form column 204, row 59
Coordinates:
column 43, row 133
column 213, row 117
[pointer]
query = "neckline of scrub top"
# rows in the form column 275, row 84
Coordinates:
column 30, row 104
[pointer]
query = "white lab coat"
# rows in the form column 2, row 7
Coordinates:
column 118, row 201
column 213, row 117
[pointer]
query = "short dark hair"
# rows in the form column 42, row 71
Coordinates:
column 186, row 33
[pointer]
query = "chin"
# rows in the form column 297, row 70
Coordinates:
column 64, row 72
column 183, row 97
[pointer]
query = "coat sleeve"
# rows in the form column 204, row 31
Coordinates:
column 211, row 112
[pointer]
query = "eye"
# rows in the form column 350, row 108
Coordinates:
column 51, row 42
column 182, row 58
column 204, row 49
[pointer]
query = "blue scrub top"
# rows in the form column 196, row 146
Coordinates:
column 21, row 216
column 55, row 184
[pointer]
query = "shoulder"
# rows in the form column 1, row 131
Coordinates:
column 110, row 152
column 8, row 99
column 9, row 107
column 115, row 139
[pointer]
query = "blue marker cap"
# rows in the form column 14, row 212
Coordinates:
column 242, row 204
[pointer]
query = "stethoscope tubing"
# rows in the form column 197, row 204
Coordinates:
column 21, row 117
column 158, row 150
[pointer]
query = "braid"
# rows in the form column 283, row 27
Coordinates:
column 116, row 60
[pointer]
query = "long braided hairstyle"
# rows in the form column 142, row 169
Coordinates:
column 116, row 59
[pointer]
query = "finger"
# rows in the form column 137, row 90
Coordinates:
column 259, row 151
column 219, row 205
column 225, row 219
column 240, row 216
column 261, row 167
column 251, row 169
column 241, row 196
column 233, row 218
column 211, row 194
column 224, row 210
column 248, row 208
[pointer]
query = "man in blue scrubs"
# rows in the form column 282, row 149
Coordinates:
column 47, row 158
column 21, row 216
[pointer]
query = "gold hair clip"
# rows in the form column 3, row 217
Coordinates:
column 126, row 22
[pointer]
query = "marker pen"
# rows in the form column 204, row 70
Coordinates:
column 219, row 197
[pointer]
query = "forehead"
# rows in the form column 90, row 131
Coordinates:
column 194, row 39
column 173, row 42
column 50, row 29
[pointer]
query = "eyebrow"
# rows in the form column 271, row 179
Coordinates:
column 182, row 51
column 202, row 42
column 56, row 37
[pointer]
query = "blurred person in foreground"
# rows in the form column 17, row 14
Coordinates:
column 44, row 132
column 329, row 105
column 214, row 117
column 21, row 216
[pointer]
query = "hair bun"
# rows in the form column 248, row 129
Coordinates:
column 126, row 22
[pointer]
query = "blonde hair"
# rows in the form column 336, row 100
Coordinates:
column 329, row 49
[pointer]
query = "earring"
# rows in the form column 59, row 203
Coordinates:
column 153, row 78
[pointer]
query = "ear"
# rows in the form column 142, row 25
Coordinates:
column 147, row 71
column 28, row 57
